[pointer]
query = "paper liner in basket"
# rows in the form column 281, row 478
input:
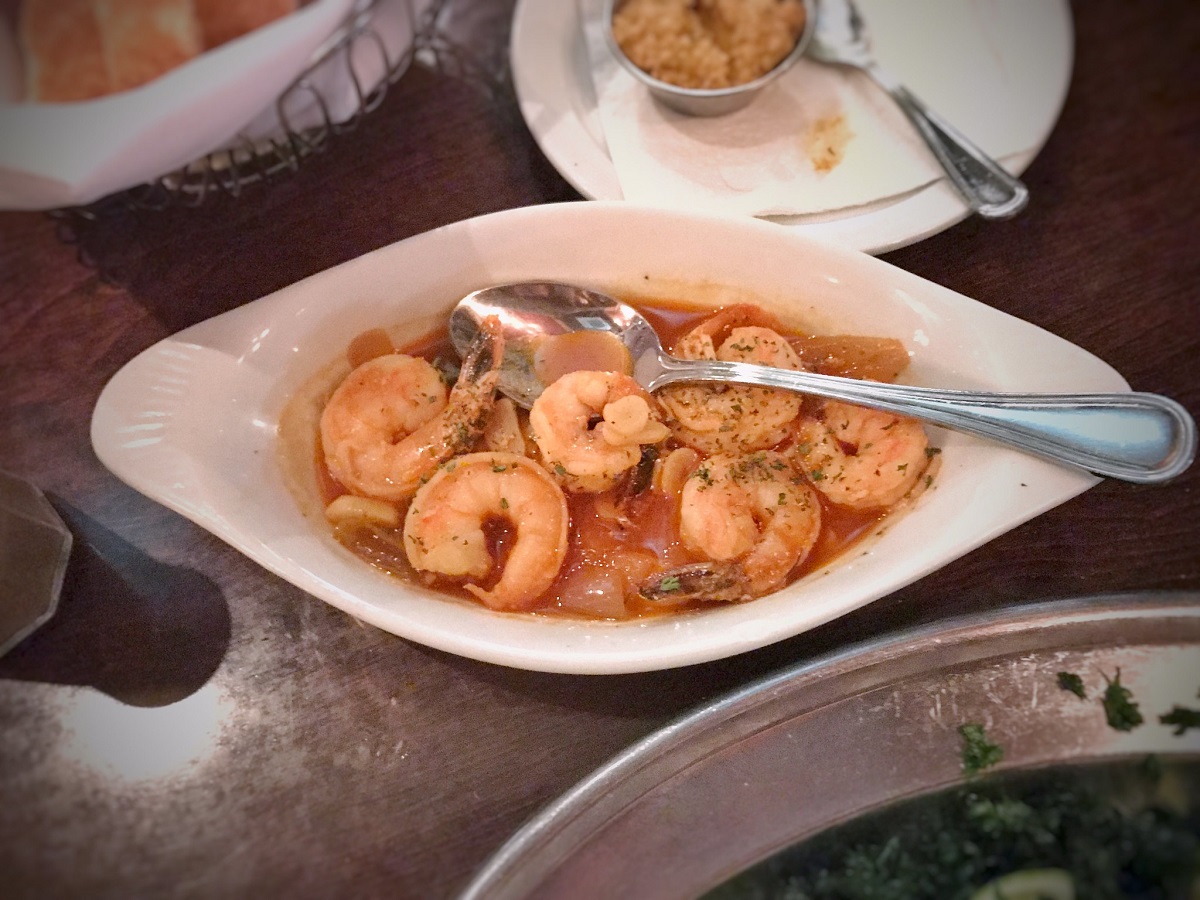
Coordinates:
column 68, row 154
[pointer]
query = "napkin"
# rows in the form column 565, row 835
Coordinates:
column 824, row 137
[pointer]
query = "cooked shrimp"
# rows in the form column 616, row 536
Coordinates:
column 444, row 527
column 753, row 510
column 736, row 315
column 390, row 422
column 859, row 457
column 723, row 418
column 584, row 454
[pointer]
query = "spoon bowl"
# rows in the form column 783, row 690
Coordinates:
column 1137, row 437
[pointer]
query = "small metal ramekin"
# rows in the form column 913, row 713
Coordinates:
column 707, row 101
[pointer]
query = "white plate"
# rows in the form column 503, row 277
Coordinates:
column 191, row 422
column 1034, row 41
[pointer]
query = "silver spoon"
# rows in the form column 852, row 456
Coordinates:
column 1138, row 437
column 841, row 37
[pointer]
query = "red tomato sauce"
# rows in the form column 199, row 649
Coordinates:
column 615, row 543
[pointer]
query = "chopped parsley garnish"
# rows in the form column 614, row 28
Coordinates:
column 669, row 583
column 1069, row 681
column 1182, row 718
column 1082, row 831
column 1151, row 768
column 1120, row 708
column 978, row 753
column 1021, row 837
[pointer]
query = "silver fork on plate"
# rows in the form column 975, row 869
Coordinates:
column 841, row 36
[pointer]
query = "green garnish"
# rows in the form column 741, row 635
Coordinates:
column 1108, row 828
column 669, row 583
column 1069, row 681
column 1151, row 768
column 978, row 753
column 1182, row 718
column 1119, row 706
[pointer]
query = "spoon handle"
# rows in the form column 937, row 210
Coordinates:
column 988, row 189
column 1137, row 437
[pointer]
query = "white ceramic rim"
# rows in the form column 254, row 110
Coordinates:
column 555, row 96
column 191, row 422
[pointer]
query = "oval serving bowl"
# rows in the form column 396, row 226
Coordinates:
column 192, row 421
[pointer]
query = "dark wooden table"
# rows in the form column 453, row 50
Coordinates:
column 190, row 725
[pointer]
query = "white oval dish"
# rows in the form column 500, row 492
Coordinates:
column 1032, row 41
column 191, row 421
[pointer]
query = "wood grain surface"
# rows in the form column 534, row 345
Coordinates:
column 332, row 759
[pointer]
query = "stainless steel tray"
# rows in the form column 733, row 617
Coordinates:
column 755, row 771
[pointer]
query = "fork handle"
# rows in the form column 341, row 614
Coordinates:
column 1137, row 437
column 988, row 189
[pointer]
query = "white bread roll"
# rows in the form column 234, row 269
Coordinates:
column 62, row 50
column 224, row 20
column 81, row 49
column 144, row 39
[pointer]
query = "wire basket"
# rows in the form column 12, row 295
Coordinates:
column 245, row 161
